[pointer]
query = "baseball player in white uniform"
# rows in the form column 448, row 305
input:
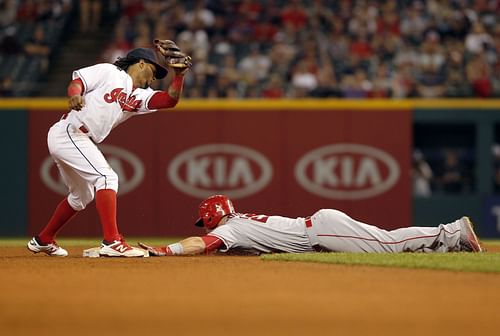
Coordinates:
column 100, row 98
column 327, row 230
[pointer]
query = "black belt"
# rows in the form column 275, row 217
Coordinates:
column 83, row 129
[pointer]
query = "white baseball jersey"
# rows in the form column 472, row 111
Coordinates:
column 264, row 233
column 110, row 99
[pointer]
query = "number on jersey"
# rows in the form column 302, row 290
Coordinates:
column 258, row 218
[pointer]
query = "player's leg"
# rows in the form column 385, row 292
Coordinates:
column 339, row 232
column 80, row 194
column 64, row 211
column 84, row 168
column 62, row 215
column 95, row 173
column 113, row 244
column 92, row 167
column 57, row 141
column 458, row 235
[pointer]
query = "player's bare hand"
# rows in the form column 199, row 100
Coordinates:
column 154, row 251
column 76, row 102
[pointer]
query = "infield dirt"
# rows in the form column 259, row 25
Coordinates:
column 237, row 296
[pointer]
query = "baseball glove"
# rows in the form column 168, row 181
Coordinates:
column 173, row 55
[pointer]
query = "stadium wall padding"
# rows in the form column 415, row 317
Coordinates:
column 14, row 172
column 286, row 133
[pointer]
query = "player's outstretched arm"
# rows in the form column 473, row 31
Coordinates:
column 174, row 58
column 169, row 98
column 191, row 245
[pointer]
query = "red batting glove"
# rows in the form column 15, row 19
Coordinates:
column 156, row 251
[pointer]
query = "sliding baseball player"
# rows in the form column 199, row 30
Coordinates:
column 327, row 230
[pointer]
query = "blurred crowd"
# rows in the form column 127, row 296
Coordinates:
column 314, row 48
column 286, row 48
column 29, row 34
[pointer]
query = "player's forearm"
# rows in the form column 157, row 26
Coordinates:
column 169, row 98
column 175, row 88
column 193, row 245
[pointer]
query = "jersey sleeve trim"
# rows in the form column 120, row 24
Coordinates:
column 225, row 248
column 76, row 74
column 76, row 87
column 212, row 243
column 146, row 103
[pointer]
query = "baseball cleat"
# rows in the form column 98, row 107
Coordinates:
column 51, row 249
column 119, row 248
column 468, row 239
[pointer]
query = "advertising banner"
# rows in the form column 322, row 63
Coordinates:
column 288, row 163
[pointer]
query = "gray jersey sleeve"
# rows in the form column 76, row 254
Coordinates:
column 228, row 236
column 266, row 234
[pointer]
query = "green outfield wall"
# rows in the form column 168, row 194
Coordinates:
column 14, row 171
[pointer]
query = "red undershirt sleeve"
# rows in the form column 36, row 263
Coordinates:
column 212, row 243
column 161, row 100
column 169, row 98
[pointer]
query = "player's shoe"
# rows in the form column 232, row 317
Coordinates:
column 51, row 249
column 468, row 239
column 119, row 248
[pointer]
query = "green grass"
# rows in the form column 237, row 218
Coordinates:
column 464, row 262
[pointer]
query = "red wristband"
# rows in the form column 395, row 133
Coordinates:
column 75, row 87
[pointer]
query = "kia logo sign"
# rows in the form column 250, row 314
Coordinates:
column 347, row 171
column 126, row 165
column 233, row 170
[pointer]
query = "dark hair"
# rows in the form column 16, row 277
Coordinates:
column 124, row 62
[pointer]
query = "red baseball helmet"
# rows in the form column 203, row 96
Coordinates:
column 212, row 210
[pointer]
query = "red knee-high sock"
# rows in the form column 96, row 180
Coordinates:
column 106, row 207
column 62, row 215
